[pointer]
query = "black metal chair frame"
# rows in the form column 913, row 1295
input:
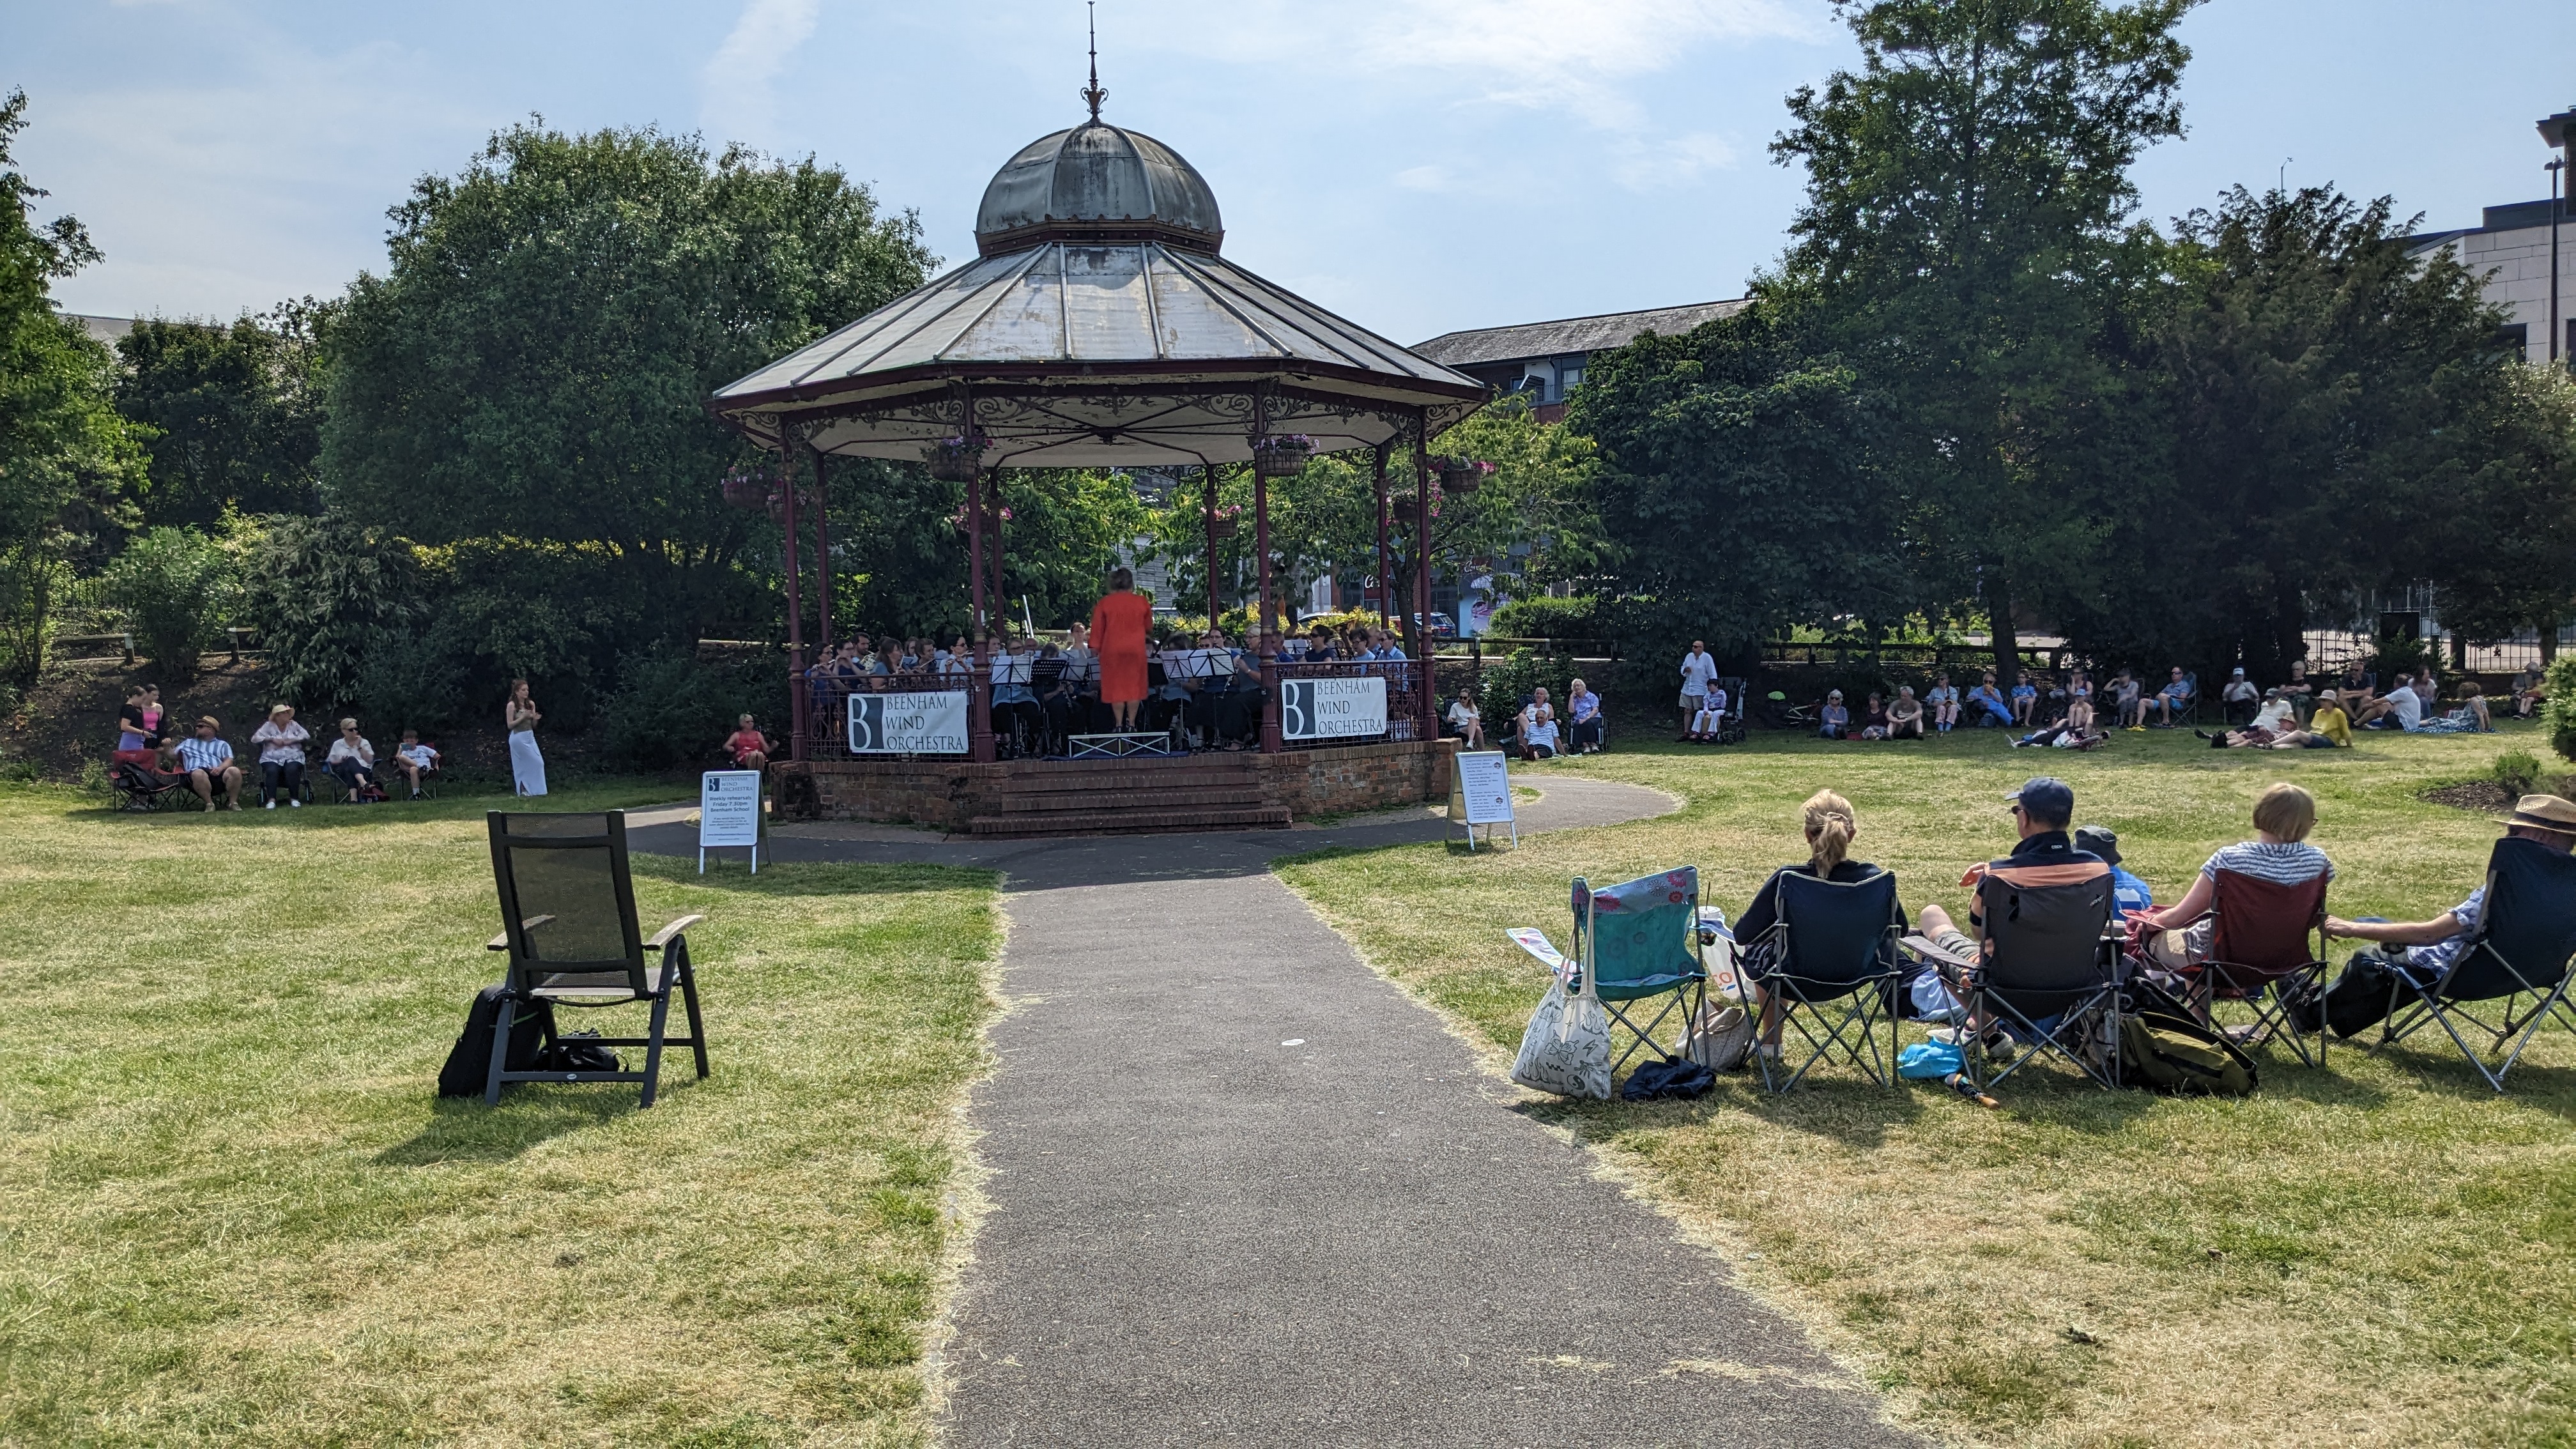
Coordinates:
column 1867, row 998
column 532, row 979
column 147, row 800
column 2433, row 1004
column 2091, row 1008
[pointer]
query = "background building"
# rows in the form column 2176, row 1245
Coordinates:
column 1544, row 361
column 2511, row 244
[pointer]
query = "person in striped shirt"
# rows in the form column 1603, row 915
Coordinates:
column 2279, row 852
column 208, row 759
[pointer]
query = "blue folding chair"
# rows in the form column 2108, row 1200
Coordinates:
column 1829, row 963
column 2526, row 934
column 1638, row 943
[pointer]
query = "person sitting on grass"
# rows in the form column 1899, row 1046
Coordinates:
column 1905, row 715
column 1943, row 700
column 1831, row 826
column 2179, row 935
column 1986, row 705
column 352, row 761
column 2268, row 725
column 2042, row 809
column 2328, row 729
column 2062, row 735
column 1539, row 737
column 1834, row 720
column 747, row 747
column 208, row 759
column 2079, row 705
column 1873, row 717
column 415, row 760
column 2426, row 949
column 2399, row 709
column 2025, row 701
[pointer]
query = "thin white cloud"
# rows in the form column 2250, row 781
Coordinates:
column 737, row 102
column 1659, row 165
column 1423, row 178
column 1567, row 54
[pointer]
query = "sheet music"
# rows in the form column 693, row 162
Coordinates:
column 1013, row 668
column 1188, row 664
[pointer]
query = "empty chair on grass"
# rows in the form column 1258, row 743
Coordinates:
column 1638, row 944
column 569, row 925
column 1820, row 942
column 2251, row 927
column 2510, row 940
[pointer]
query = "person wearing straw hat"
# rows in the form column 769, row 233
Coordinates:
column 281, row 758
column 2425, row 949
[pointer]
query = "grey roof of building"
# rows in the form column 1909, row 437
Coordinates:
column 1573, row 334
column 103, row 329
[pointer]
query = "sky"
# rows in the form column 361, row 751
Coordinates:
column 1415, row 165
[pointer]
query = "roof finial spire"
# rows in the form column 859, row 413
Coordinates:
column 1092, row 92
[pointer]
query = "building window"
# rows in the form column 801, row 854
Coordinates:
column 1572, row 378
column 2516, row 335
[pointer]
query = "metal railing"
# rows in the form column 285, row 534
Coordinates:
column 827, row 706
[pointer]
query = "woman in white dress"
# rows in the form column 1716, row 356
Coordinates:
column 527, row 767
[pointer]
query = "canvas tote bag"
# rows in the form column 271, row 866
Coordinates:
column 1566, row 1049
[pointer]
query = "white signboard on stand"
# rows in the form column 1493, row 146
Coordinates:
column 1332, row 708
column 1480, row 793
column 729, row 814
column 908, row 724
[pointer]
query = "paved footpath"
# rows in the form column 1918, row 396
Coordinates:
column 1245, row 1191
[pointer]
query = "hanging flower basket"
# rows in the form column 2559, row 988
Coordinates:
column 746, row 490
column 954, row 459
column 1461, row 476
column 1282, row 455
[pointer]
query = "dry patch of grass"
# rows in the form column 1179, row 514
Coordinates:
column 2383, row 1252
column 231, row 1209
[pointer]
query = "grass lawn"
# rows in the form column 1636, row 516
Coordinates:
column 2383, row 1252
column 232, row 1210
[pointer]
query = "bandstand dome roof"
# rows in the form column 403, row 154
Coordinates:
column 1093, row 178
column 1098, row 327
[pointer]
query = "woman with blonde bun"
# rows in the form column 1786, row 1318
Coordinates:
column 1831, row 825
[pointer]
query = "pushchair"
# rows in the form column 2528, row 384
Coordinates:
column 1730, row 726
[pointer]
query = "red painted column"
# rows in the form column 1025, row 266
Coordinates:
column 979, row 687
column 1385, row 560
column 1428, row 705
column 797, row 704
column 822, row 552
column 1261, row 543
column 1207, row 506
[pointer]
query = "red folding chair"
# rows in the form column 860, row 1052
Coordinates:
column 2267, row 940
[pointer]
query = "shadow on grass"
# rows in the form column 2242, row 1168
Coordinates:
column 813, row 878
column 2438, row 1067
column 462, row 1129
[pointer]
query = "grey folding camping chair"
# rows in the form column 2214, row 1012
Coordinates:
column 568, row 922
column 1638, row 943
column 1828, row 966
column 2050, row 971
column 2525, row 935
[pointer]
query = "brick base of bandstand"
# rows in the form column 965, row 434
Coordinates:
column 1247, row 791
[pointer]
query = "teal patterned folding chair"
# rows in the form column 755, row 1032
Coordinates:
column 1638, row 943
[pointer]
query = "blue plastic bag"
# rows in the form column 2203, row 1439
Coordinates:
column 1929, row 1060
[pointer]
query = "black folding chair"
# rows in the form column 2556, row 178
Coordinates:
column 2050, row 973
column 568, row 922
column 1829, row 965
column 2526, row 933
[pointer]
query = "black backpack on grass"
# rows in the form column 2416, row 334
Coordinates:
column 469, row 1063
column 2359, row 999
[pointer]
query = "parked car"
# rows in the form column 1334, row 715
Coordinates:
column 1442, row 626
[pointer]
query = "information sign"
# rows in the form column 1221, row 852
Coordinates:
column 1480, row 793
column 1332, row 708
column 729, row 814
column 908, row 724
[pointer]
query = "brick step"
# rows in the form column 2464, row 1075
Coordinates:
column 1061, row 801
column 1127, row 777
column 1134, row 822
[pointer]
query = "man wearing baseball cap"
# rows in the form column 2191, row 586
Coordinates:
column 2042, row 809
column 2425, row 949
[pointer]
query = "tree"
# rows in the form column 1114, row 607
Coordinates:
column 1742, row 490
column 178, row 589
column 2504, row 552
column 235, row 412
column 536, row 360
column 1965, row 240
column 68, row 462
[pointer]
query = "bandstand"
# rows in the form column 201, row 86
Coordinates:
column 1100, row 326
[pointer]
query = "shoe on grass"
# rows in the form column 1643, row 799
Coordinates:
column 267, row 804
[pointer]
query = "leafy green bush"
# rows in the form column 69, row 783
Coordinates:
column 2558, row 711
column 2518, row 771
column 178, row 589
column 32, row 582
column 671, row 709
column 1546, row 618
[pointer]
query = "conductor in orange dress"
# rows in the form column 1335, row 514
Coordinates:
column 1119, row 624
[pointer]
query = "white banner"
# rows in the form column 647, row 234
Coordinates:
column 908, row 724
column 1332, row 708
